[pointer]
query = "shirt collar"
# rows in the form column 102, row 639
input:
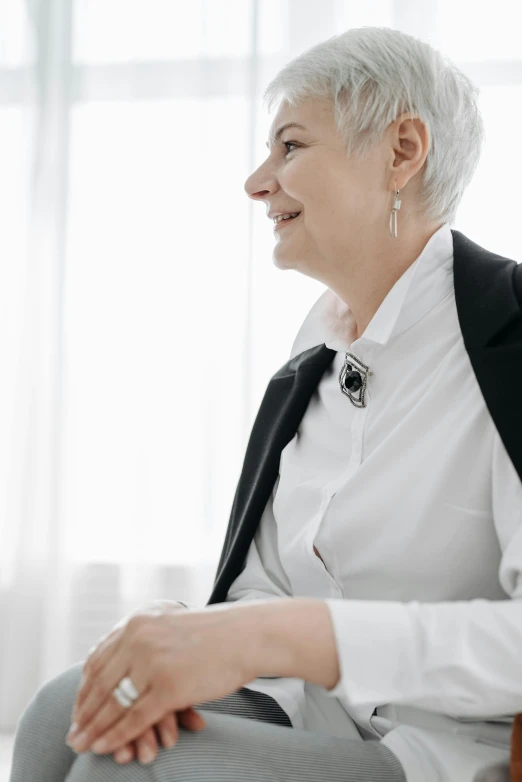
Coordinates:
column 424, row 283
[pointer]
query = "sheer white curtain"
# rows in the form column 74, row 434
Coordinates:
column 141, row 313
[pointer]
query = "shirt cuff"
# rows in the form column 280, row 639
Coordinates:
column 375, row 646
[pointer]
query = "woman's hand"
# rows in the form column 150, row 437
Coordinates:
column 145, row 747
column 175, row 660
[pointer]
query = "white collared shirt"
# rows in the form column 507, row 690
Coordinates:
column 416, row 510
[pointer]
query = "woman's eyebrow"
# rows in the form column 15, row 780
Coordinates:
column 284, row 127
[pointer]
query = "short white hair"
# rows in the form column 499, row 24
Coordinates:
column 374, row 74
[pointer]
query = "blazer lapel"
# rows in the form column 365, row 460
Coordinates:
column 282, row 408
column 487, row 292
column 488, row 295
column 488, row 288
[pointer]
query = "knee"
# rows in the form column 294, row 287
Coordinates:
column 56, row 696
column 62, row 688
column 89, row 767
column 43, row 726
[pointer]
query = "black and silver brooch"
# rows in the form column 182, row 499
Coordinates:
column 353, row 378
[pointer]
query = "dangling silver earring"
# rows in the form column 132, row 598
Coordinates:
column 393, row 215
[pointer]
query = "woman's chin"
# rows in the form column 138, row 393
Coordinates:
column 282, row 261
column 284, row 254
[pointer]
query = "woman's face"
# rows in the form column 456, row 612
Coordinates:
column 342, row 202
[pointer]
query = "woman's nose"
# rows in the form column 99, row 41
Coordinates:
column 252, row 187
column 260, row 183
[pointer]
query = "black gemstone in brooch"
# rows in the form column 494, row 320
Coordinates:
column 353, row 378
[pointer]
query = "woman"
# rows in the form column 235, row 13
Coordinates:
column 371, row 503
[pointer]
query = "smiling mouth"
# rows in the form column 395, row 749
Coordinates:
column 281, row 223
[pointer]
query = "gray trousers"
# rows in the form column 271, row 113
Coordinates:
column 247, row 736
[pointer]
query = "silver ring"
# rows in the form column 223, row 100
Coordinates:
column 125, row 693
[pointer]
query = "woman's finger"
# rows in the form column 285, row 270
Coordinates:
column 168, row 729
column 191, row 719
column 126, row 754
column 147, row 746
column 99, row 649
column 168, row 726
column 165, row 729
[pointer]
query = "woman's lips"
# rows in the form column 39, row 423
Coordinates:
column 281, row 223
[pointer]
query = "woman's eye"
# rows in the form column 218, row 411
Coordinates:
column 289, row 143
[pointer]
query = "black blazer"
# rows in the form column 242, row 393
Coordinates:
column 488, row 297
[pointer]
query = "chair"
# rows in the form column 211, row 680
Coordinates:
column 507, row 772
column 516, row 750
